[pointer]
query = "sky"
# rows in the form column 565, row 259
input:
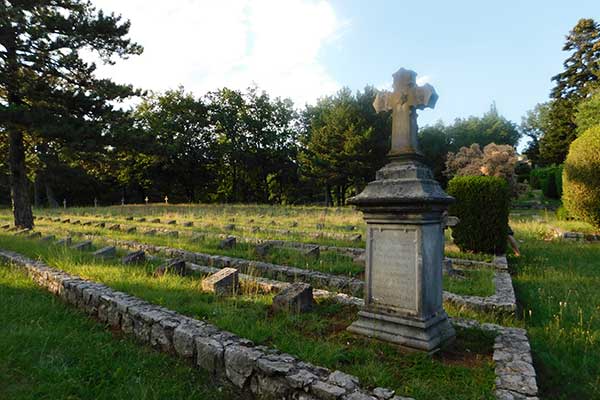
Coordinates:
column 473, row 52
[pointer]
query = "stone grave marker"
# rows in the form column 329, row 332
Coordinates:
column 155, row 221
column 296, row 298
column 227, row 243
column 131, row 229
column 65, row 221
column 262, row 249
column 134, row 257
column 349, row 227
column 171, row 234
column 142, row 219
column 87, row 223
column 6, row 226
column 404, row 209
column 76, row 222
column 64, row 242
column 21, row 232
column 255, row 229
column 187, row 224
column 150, row 232
column 294, row 224
column 222, row 283
column 106, row 252
column 83, row 246
column 320, row 226
column 229, row 227
column 176, row 266
column 35, row 235
column 356, row 238
column 312, row 252
column 100, row 225
column 114, row 227
column 129, row 218
column 198, row 237
column 171, row 222
column 48, row 238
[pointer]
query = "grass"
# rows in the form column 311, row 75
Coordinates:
column 557, row 285
column 472, row 282
column 51, row 351
column 462, row 371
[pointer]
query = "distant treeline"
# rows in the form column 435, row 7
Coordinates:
column 233, row 146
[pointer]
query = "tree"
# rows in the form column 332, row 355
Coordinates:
column 533, row 126
column 490, row 128
column 588, row 113
column 46, row 88
column 495, row 160
column 578, row 80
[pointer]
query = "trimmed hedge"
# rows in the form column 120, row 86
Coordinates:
column 482, row 205
column 549, row 179
column 581, row 177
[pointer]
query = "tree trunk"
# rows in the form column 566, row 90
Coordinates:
column 328, row 201
column 52, row 203
column 19, row 186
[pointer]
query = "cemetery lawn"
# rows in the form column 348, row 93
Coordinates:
column 462, row 371
column 52, row 351
column 557, row 283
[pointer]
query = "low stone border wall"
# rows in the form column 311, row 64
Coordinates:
column 278, row 272
column 515, row 374
column 503, row 300
column 256, row 371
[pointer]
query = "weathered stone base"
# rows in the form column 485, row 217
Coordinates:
column 412, row 333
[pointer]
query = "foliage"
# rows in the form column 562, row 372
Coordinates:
column 533, row 126
column 345, row 142
column 549, row 179
column 482, row 206
column 494, row 160
column 578, row 80
column 47, row 90
column 588, row 113
column 581, row 177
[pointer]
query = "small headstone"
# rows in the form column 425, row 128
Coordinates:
column 146, row 200
column 349, row 227
column 100, row 225
column 262, row 249
column 134, row 257
column 22, row 231
column 296, row 298
column 230, row 227
column 65, row 221
column 114, row 227
column 5, row 226
column 227, row 243
column 64, row 242
column 129, row 218
column 188, row 224
column 174, row 267
column 155, row 221
column 151, row 232
column 131, row 229
column 56, row 219
column 356, row 238
column 12, row 229
column 166, row 199
column 106, row 252
column 273, row 222
column 313, row 252
column 222, row 283
column 40, row 218
column 171, row 222
column 76, row 222
column 294, row 224
column 48, row 238
column 142, row 219
column 87, row 223
column 255, row 229
column 251, row 221
column 320, row 226
column 172, row 234
column 85, row 245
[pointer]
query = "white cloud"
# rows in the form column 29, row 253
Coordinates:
column 205, row 45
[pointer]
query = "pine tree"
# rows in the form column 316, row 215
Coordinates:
column 47, row 90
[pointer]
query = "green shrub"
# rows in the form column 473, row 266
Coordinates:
column 482, row 205
column 562, row 214
column 581, row 177
column 549, row 179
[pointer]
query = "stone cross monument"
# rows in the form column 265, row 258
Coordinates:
column 404, row 211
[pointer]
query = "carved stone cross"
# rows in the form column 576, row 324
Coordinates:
column 404, row 101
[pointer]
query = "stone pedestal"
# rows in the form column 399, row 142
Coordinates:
column 403, row 209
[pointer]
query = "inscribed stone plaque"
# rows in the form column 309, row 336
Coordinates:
column 394, row 267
